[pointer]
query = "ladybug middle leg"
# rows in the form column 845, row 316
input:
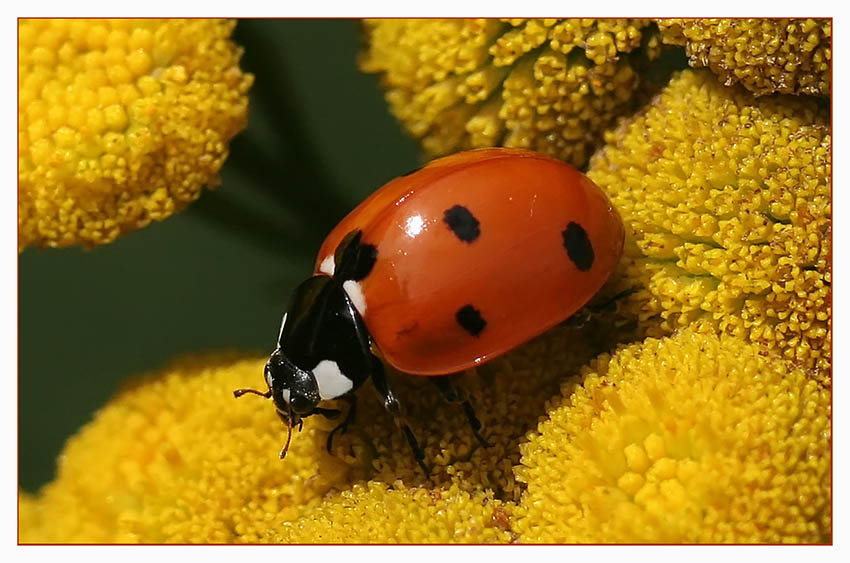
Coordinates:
column 392, row 405
column 583, row 316
column 453, row 394
column 349, row 417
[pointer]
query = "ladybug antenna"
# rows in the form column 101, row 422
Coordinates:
column 239, row 392
column 288, row 437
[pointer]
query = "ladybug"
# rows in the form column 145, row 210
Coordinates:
column 439, row 271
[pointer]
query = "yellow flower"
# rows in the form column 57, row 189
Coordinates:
column 767, row 55
column 508, row 396
column 176, row 458
column 121, row 122
column 726, row 201
column 692, row 438
column 374, row 513
column 548, row 85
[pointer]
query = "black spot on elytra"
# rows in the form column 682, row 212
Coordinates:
column 578, row 246
column 470, row 319
column 353, row 260
column 462, row 223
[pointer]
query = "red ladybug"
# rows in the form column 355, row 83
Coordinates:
column 439, row 271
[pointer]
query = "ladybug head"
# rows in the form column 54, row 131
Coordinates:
column 295, row 391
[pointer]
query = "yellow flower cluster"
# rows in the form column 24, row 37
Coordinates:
column 718, row 433
column 767, row 55
column 548, row 85
column 692, row 438
column 375, row 513
column 121, row 122
column 727, row 206
column 176, row 458
column 509, row 396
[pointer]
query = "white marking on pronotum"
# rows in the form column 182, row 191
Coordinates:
column 332, row 382
column 355, row 293
column 282, row 322
column 327, row 266
column 269, row 378
column 285, row 394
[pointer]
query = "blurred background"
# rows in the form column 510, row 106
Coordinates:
column 218, row 274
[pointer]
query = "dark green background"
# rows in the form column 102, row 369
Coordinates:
column 218, row 274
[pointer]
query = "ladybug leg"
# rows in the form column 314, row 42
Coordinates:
column 343, row 426
column 394, row 408
column 608, row 306
column 330, row 414
column 583, row 316
column 453, row 394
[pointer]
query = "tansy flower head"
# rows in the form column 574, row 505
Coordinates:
column 175, row 458
column 693, row 438
column 726, row 202
column 508, row 396
column 548, row 85
column 121, row 122
column 766, row 55
column 375, row 513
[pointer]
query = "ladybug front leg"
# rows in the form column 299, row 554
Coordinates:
column 343, row 426
column 392, row 405
column 453, row 394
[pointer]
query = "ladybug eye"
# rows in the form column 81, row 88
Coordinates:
column 300, row 404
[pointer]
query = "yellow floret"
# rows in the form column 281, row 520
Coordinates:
column 767, row 55
column 121, row 122
column 693, row 438
column 548, row 85
column 177, row 459
column 375, row 513
column 727, row 206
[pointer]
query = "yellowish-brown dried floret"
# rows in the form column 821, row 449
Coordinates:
column 549, row 85
column 692, row 438
column 375, row 513
column 121, row 122
column 766, row 55
column 176, row 458
column 727, row 206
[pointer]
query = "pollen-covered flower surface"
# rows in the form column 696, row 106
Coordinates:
column 694, row 438
column 766, row 55
column 121, row 122
column 694, row 409
column 549, row 85
column 374, row 513
column 727, row 206
column 175, row 458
